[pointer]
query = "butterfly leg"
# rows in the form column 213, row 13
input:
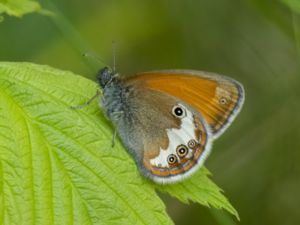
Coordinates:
column 88, row 102
column 113, row 139
column 116, row 116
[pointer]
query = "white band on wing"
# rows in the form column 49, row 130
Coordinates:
column 177, row 137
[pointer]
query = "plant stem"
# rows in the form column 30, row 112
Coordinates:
column 73, row 36
column 296, row 33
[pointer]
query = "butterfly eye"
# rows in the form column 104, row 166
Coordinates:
column 178, row 111
column 172, row 159
column 182, row 151
column 192, row 143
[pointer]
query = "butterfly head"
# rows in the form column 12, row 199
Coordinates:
column 105, row 76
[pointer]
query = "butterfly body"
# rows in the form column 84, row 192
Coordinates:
column 167, row 135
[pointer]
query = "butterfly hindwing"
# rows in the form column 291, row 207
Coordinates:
column 166, row 136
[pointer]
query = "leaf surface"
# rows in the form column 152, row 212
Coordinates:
column 200, row 189
column 18, row 8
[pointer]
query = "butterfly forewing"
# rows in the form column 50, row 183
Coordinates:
column 216, row 97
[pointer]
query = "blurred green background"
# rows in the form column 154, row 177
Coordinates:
column 257, row 161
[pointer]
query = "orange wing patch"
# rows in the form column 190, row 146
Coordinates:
column 217, row 98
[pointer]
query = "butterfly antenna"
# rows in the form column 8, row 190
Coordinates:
column 114, row 56
column 94, row 60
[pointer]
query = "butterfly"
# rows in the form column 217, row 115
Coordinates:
column 167, row 120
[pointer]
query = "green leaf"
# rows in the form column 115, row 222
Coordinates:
column 293, row 5
column 18, row 8
column 199, row 188
column 57, row 165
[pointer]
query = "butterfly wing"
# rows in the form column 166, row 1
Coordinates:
column 167, row 147
column 217, row 98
